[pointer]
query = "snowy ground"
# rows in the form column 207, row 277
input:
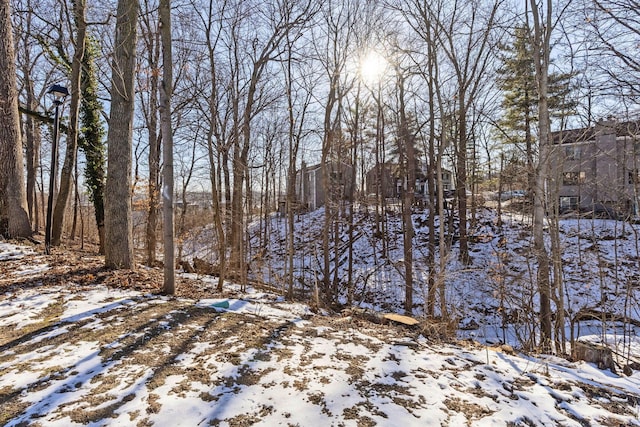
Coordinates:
column 78, row 353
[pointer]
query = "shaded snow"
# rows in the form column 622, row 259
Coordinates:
column 99, row 356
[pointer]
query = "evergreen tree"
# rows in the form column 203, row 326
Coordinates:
column 516, row 78
column 91, row 138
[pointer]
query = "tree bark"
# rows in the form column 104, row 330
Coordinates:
column 407, row 141
column 118, row 209
column 31, row 125
column 152, row 45
column 14, row 215
column 72, row 134
column 541, row 54
column 166, row 91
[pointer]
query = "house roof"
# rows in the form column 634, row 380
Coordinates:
column 572, row 136
column 311, row 168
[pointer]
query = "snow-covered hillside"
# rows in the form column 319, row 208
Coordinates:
column 79, row 353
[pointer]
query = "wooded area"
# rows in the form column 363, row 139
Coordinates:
column 233, row 99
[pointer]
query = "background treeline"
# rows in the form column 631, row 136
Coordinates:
column 256, row 88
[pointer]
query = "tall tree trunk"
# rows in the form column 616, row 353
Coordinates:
column 355, row 141
column 217, row 210
column 328, row 207
column 118, row 212
column 14, row 216
column 31, row 125
column 166, row 92
column 91, row 140
column 72, row 135
column 461, row 176
column 76, row 201
column 152, row 44
column 291, row 173
column 32, row 134
column 33, row 140
column 407, row 141
column 434, row 193
column 541, row 53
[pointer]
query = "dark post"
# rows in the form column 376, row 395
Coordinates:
column 60, row 93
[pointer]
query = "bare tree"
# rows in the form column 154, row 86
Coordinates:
column 285, row 17
column 72, row 135
column 14, row 215
column 334, row 51
column 298, row 100
column 468, row 46
column 406, row 139
column 28, row 60
column 614, row 29
column 166, row 91
column 541, row 35
column 149, row 81
column 118, row 209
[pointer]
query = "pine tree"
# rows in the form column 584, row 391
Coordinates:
column 91, row 139
column 517, row 81
column 516, row 78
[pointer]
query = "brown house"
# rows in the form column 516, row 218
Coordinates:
column 310, row 188
column 385, row 178
column 598, row 168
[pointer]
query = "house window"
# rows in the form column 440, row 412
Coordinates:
column 568, row 203
column 573, row 178
column 572, row 153
column 336, row 176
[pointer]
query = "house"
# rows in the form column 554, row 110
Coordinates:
column 382, row 179
column 310, row 188
column 598, row 168
column 195, row 200
column 385, row 178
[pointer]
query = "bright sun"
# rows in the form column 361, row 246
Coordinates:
column 373, row 67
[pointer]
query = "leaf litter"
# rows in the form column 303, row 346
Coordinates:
column 83, row 345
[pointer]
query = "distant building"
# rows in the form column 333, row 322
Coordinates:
column 386, row 178
column 311, row 191
column 382, row 179
column 598, row 168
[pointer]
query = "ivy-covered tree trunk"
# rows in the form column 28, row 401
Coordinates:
column 14, row 216
column 91, row 138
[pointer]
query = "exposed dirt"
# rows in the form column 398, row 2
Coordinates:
column 143, row 346
column 71, row 265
